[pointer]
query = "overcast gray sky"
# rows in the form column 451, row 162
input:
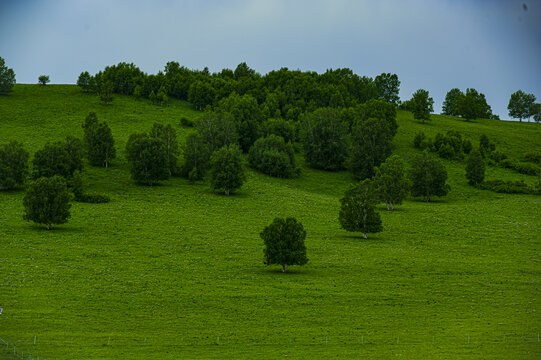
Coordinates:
column 493, row 46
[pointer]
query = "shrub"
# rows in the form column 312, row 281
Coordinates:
column 475, row 168
column 446, row 151
column 185, row 122
column 279, row 127
column 467, row 146
column 13, row 165
column 226, row 169
column 509, row 187
column 521, row 167
column 272, row 156
column 497, row 156
column 533, row 156
column 418, row 139
column 47, row 201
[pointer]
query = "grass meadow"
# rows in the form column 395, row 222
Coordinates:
column 176, row 271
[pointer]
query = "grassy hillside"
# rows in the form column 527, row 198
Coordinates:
column 175, row 271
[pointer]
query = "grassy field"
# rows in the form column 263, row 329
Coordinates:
column 176, row 271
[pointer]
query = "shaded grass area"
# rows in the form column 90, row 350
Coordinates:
column 176, row 271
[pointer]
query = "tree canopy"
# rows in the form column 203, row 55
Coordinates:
column 521, row 105
column 98, row 141
column 388, row 87
column 428, row 177
column 148, row 159
column 474, row 106
column 284, row 243
column 47, row 201
column 7, row 78
column 391, row 182
column 13, row 165
column 271, row 155
column 227, row 169
column 421, row 105
column 452, row 103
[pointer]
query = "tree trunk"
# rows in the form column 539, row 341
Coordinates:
column 364, row 235
column 48, row 226
column 284, row 268
column 227, row 192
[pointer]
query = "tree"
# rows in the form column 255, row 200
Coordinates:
column 43, row 80
column 284, row 243
column 521, row 105
column 279, row 127
column 428, row 177
column 475, row 168
column 13, row 165
column 53, row 159
column 452, row 102
column 74, row 147
column 168, row 135
column 227, row 170
column 47, row 201
column 147, row 157
column 84, row 81
column 7, row 78
column 271, row 155
column 421, row 105
column 217, row 130
column 371, row 145
column 357, row 210
column 391, row 182
column 196, row 158
column 536, row 112
column 325, row 139
column 388, row 87
column 98, row 141
column 474, row 106
column 106, row 92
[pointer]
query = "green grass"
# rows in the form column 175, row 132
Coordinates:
column 176, row 271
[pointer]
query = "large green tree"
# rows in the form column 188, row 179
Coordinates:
column 168, row 135
column 43, row 80
column 98, row 141
column 357, row 209
column 147, row 157
column 53, row 159
column 84, row 81
column 196, row 158
column 475, row 168
column 227, row 169
column 284, row 243
column 47, row 201
column 217, row 130
column 388, row 87
column 521, row 105
column 421, row 105
column 452, row 102
column 7, row 78
column 271, row 155
column 391, row 182
column 13, row 165
column 474, row 106
column 428, row 177
column 325, row 139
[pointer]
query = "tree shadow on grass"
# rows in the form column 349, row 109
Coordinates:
column 63, row 228
column 292, row 270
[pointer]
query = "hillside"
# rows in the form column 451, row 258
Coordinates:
column 175, row 270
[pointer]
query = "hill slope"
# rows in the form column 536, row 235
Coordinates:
column 176, row 271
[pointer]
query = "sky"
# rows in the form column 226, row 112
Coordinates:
column 491, row 45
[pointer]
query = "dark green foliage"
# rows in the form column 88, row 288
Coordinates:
column 168, row 135
column 475, row 168
column 446, row 151
column 448, row 146
column 474, row 106
column 421, row 105
column 380, row 109
column 509, row 187
column 217, row 130
column 47, row 201
column 466, row 146
column 391, row 183
column 75, row 149
column 201, row 94
column 357, row 210
column 325, row 139
column 418, row 139
column 521, row 105
column 185, row 122
column 7, row 78
column 84, row 81
column 13, row 165
column 161, row 98
column 148, row 159
column 53, row 159
column 485, row 146
column 75, row 184
column 497, row 156
column 452, row 103
column 428, row 177
column 106, row 92
column 226, row 169
column 371, row 145
column 533, row 156
column 388, row 87
column 271, row 155
column 279, row 127
column 43, row 80
column 98, row 141
column 284, row 243
column 521, row 167
column 196, row 158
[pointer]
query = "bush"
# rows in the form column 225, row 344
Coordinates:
column 226, row 169
column 509, row 187
column 185, row 122
column 13, row 165
column 446, row 151
column 475, row 168
column 533, row 156
column 279, row 127
column 521, row 167
column 47, row 201
column 418, row 139
column 497, row 156
column 273, row 156
column 467, row 146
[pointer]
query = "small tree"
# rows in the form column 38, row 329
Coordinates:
column 217, row 130
column 421, row 105
column 272, row 156
column 196, row 158
column 474, row 106
column 148, row 159
column 475, row 168
column 53, row 159
column 227, row 170
column 428, row 177
column 521, row 105
column 13, row 165
column 391, row 182
column 7, row 78
column 452, row 102
column 284, row 243
column 84, row 81
column 106, row 92
column 47, row 201
column 357, row 210
column 98, row 141
column 168, row 135
column 43, row 80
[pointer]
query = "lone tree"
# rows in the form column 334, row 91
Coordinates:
column 196, row 158
column 43, row 80
column 13, row 165
column 98, row 141
column 148, row 159
column 7, row 78
column 521, row 105
column 421, row 105
column 475, row 168
column 452, row 102
column 388, row 87
column 357, row 210
column 428, row 177
column 391, row 183
column 227, row 170
column 284, row 243
column 47, row 201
